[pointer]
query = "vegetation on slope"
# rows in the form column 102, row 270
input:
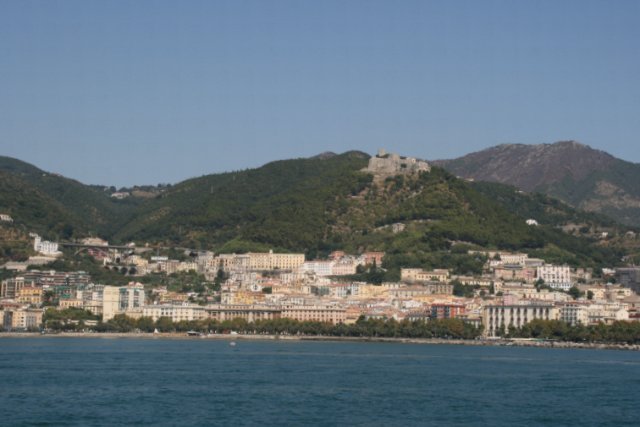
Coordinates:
column 315, row 206
column 58, row 207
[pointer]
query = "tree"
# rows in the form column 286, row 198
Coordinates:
column 165, row 324
column 589, row 295
column 122, row 323
column 146, row 324
column 574, row 292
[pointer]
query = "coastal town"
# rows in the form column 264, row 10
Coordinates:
column 512, row 290
column 168, row 289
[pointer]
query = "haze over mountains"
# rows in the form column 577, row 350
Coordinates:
column 577, row 174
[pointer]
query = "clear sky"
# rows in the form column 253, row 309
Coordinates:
column 142, row 92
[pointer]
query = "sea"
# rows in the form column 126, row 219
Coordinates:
column 198, row 382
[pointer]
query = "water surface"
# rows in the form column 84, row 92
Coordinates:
column 104, row 382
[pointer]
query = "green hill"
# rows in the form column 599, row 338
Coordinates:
column 285, row 204
column 317, row 205
column 55, row 206
column 320, row 204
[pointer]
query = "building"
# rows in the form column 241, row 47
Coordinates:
column 372, row 258
column 21, row 319
column 250, row 313
column 499, row 318
column 514, row 272
column 272, row 261
column 574, row 314
column 420, row 275
column 629, row 277
column 607, row 313
column 45, row 247
column 31, row 295
column 314, row 313
column 556, row 276
column 112, row 300
column 344, row 267
column 177, row 313
column 320, row 268
column 513, row 258
column 52, row 278
column 446, row 311
column 432, row 288
column 131, row 296
column 5, row 218
column 71, row 302
column 386, row 164
column 10, row 288
column 344, row 290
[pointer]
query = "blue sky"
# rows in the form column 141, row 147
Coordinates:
column 142, row 92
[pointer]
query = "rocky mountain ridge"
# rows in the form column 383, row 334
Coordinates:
column 575, row 173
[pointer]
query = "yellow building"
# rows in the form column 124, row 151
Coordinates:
column 247, row 297
column 30, row 295
column 368, row 291
column 271, row 261
column 22, row 319
column 71, row 302
column 420, row 275
column 314, row 313
column 110, row 302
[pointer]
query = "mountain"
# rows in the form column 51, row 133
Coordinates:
column 324, row 203
column 577, row 174
column 419, row 217
column 55, row 206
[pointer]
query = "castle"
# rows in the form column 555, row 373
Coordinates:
column 389, row 164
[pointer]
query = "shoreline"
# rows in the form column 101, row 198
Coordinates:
column 322, row 338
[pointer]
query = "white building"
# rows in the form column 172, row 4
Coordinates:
column 502, row 317
column 574, row 314
column 176, row 313
column 112, row 300
column 320, row 268
column 513, row 259
column 556, row 276
column 5, row 218
column 131, row 297
column 45, row 247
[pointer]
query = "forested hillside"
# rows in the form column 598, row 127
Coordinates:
column 317, row 205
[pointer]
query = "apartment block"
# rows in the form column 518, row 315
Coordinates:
column 502, row 317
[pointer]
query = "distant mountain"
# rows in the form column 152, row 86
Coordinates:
column 579, row 175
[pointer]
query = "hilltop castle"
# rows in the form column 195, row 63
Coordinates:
column 389, row 164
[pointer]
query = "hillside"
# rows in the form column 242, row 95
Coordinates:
column 316, row 205
column 324, row 203
column 585, row 178
column 284, row 204
column 55, row 206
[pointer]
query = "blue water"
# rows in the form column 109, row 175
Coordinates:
column 105, row 382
